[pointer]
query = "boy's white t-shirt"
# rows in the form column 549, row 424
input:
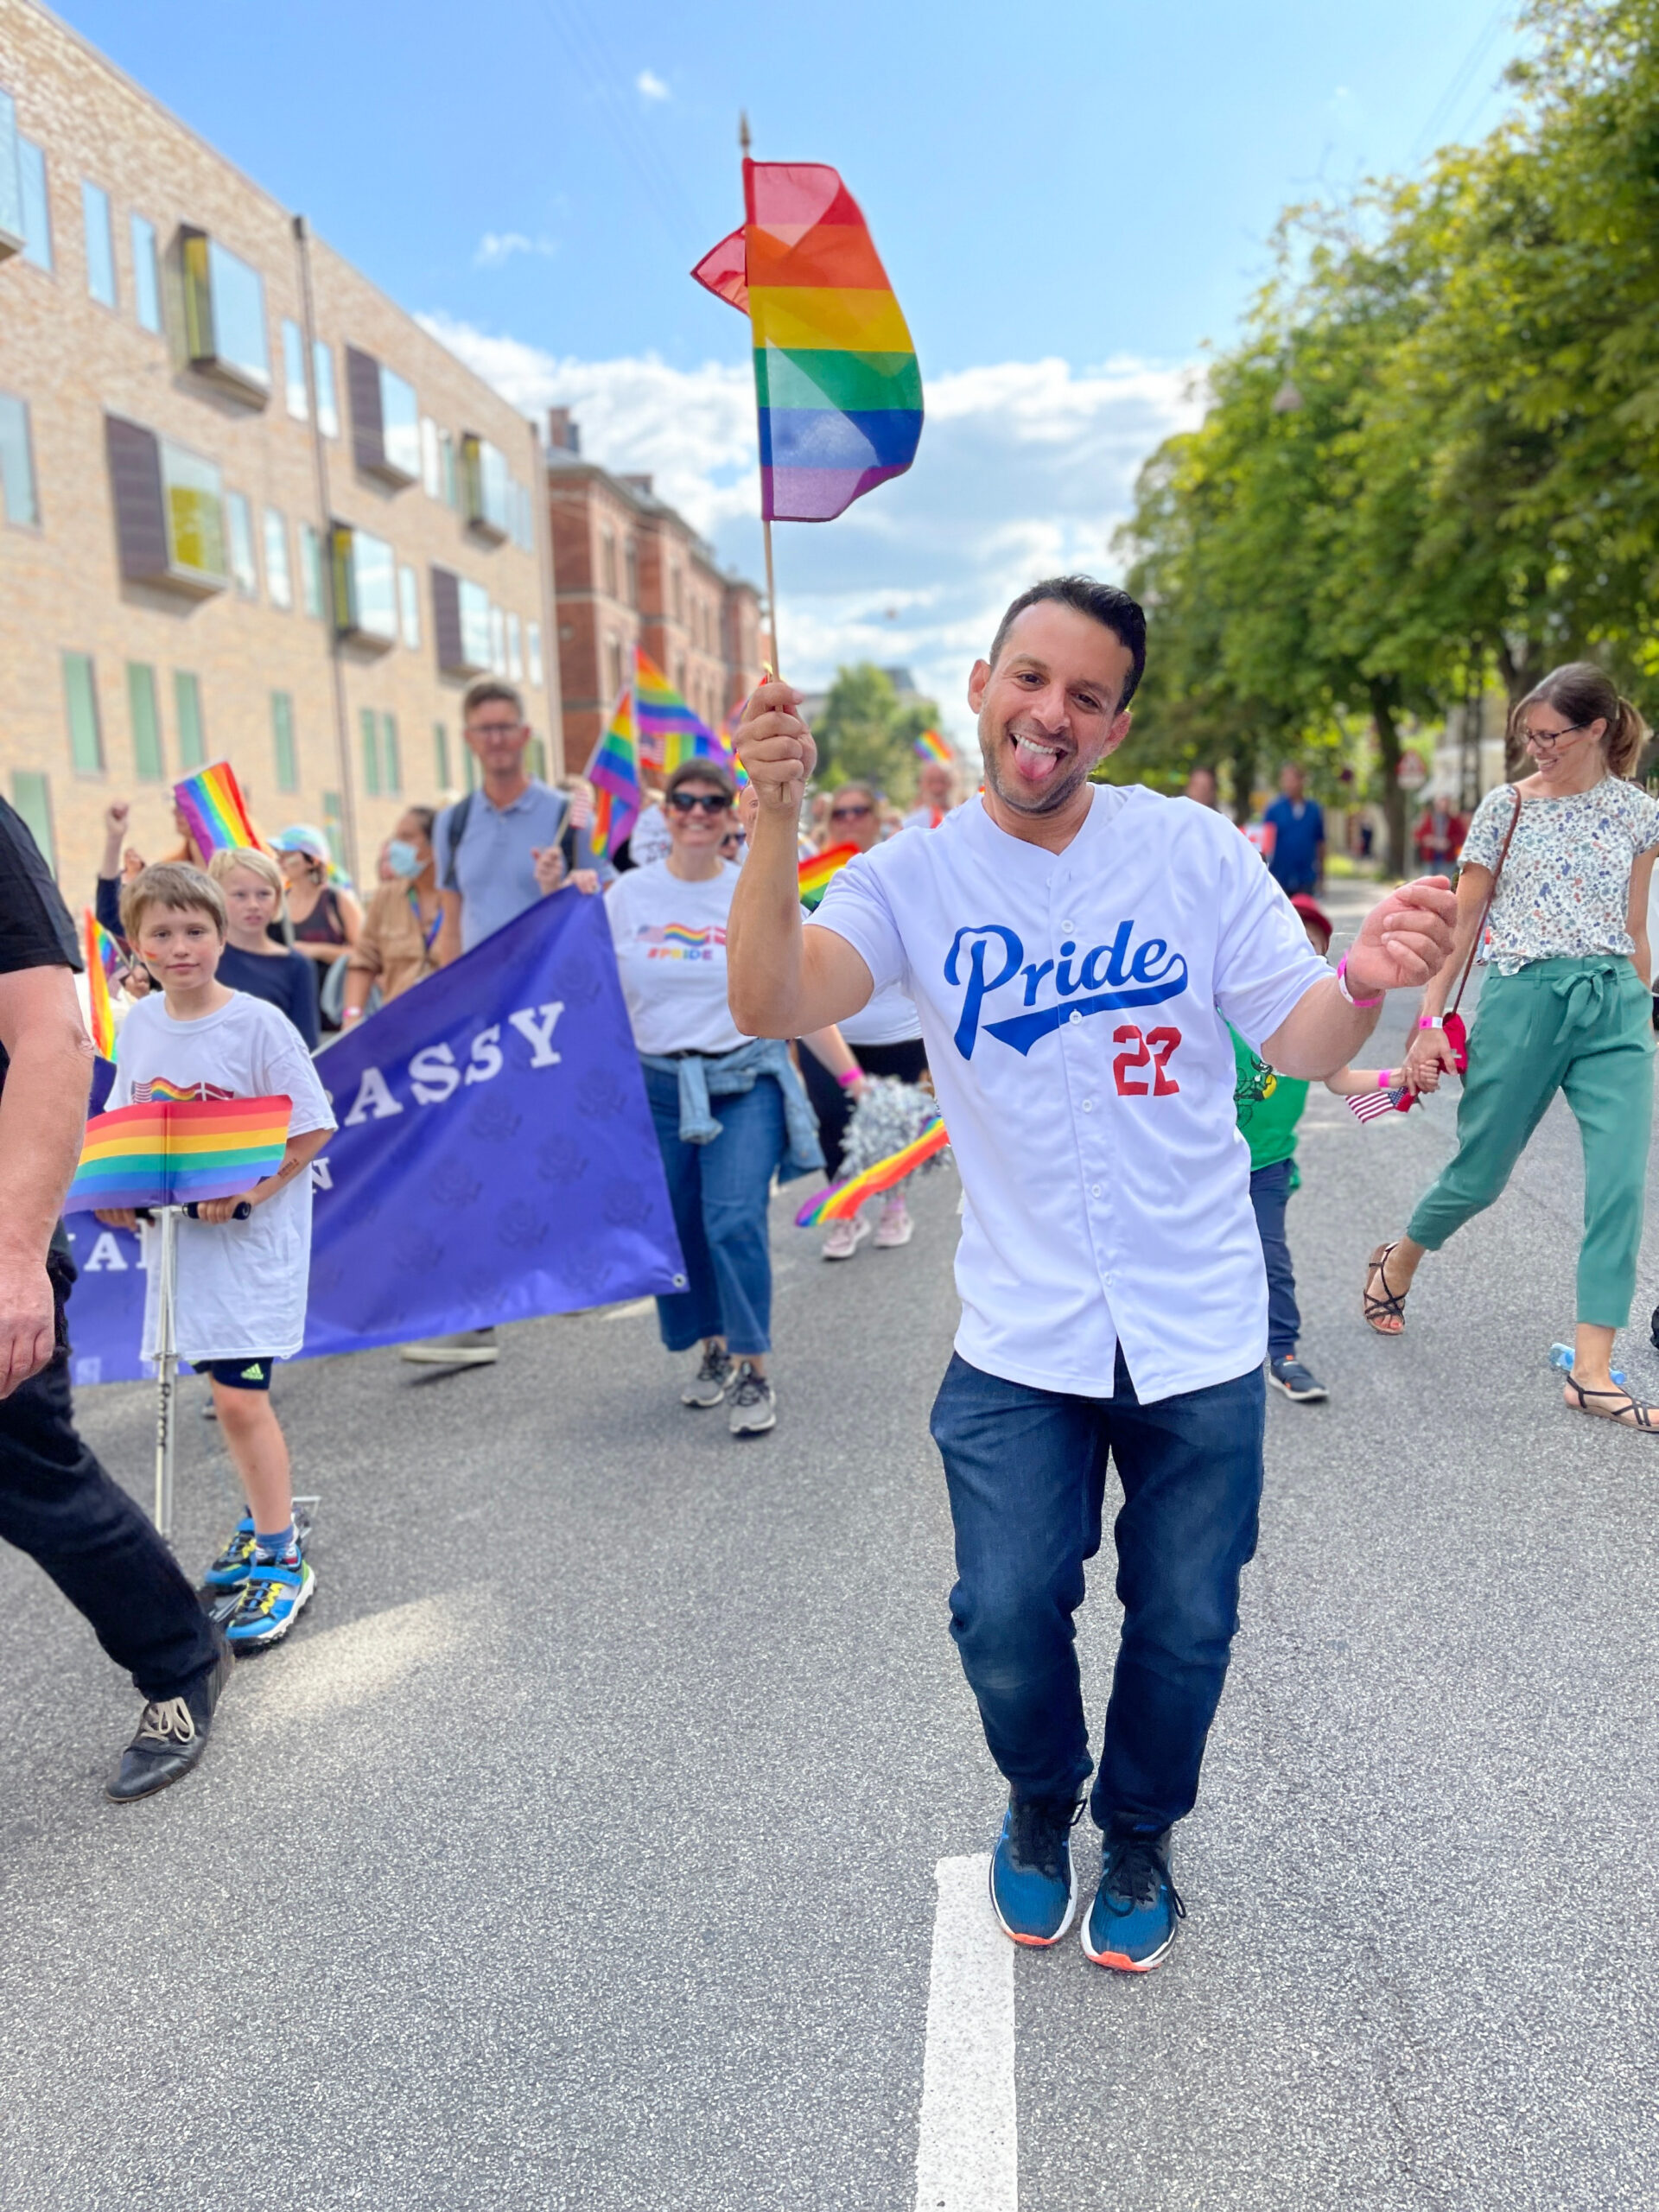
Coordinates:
column 241, row 1285
column 671, row 954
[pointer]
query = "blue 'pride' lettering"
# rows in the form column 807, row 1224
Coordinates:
column 1143, row 976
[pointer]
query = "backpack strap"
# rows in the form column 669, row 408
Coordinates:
column 458, row 822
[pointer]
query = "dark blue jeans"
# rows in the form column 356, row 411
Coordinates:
column 719, row 1193
column 1270, row 1195
column 1026, row 1472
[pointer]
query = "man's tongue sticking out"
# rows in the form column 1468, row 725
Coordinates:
column 1035, row 757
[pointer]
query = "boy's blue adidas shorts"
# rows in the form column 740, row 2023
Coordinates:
column 238, row 1374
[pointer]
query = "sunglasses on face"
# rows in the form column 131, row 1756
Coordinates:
column 688, row 802
column 848, row 813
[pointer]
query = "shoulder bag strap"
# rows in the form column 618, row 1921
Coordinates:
column 457, row 831
column 1485, row 911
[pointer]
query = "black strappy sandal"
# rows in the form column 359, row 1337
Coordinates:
column 1646, row 1416
column 1391, row 1303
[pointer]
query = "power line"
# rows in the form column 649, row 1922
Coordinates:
column 1462, row 78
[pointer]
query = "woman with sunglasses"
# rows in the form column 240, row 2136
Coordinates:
column 1565, row 1006
column 885, row 1038
column 729, row 1110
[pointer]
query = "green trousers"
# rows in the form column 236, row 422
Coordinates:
column 1583, row 1027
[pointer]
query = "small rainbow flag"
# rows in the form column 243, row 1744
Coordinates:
column 725, row 737
column 211, row 802
column 667, row 730
column 841, row 1201
column 613, row 772
column 102, row 957
column 817, row 874
column 836, row 375
column 172, row 1151
column 931, row 747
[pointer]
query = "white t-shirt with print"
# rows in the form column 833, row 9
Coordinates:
column 649, row 839
column 671, row 954
column 240, row 1290
column 1073, row 1006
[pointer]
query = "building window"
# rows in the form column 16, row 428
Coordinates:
column 631, row 558
column 498, row 642
column 537, row 750
column 224, row 317
column 81, row 706
column 169, row 510
column 365, row 586
column 515, row 651
column 334, row 822
column 311, row 572
column 37, row 209
column 31, row 794
column 431, row 460
column 468, row 766
column 613, row 666
column 186, row 708
column 100, row 245
column 282, row 741
column 146, row 723
column 451, row 491
column 369, row 728
column 608, row 561
column 322, row 375
column 440, row 755
column 385, row 420
column 238, row 523
column 11, row 197
column 460, row 624
column 533, row 651
column 299, row 401
column 146, row 276
column 487, row 485
column 279, row 581
column 17, row 494
column 409, row 607
column 390, row 759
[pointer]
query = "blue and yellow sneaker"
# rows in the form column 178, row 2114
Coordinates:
column 272, row 1598
column 1033, row 1890
column 230, row 1570
column 1137, row 1908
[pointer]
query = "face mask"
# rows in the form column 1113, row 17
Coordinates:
column 402, row 858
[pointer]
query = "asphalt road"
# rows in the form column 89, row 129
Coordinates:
column 579, row 1850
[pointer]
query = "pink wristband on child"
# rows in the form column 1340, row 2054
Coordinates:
column 848, row 1077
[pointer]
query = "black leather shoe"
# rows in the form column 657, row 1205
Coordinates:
column 173, row 1734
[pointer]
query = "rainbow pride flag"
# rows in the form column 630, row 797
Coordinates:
column 725, row 738
column 841, row 1201
column 836, row 375
column 613, row 772
column 211, row 802
column 102, row 958
column 817, row 873
column 667, row 730
column 172, row 1151
column 931, row 747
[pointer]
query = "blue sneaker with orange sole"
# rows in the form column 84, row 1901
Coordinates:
column 1137, row 1908
column 1033, row 1887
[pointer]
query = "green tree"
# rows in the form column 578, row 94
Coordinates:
column 865, row 733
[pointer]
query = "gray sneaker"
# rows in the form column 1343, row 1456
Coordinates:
column 754, row 1405
column 709, row 1386
column 467, row 1348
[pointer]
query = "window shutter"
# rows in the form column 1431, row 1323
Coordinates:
column 363, row 388
column 446, row 619
column 134, row 458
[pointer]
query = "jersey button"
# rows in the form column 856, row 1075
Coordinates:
column 1094, row 1190
column 1088, row 1105
column 1076, row 1016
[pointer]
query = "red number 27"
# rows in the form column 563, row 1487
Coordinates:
column 1152, row 1050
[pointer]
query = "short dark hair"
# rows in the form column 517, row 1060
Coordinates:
column 700, row 771
column 487, row 689
column 426, row 817
column 1104, row 603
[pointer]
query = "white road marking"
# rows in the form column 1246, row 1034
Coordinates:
column 968, row 2153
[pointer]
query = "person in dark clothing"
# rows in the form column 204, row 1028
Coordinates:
column 56, row 1502
column 253, row 960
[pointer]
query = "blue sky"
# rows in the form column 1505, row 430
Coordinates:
column 1070, row 202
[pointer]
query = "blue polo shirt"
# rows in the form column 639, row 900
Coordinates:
column 495, row 868
column 1299, row 829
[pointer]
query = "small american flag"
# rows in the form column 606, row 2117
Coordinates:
column 1368, row 1105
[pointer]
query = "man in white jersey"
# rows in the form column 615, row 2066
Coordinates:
column 1075, row 952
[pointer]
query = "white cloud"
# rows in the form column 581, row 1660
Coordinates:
column 650, row 87
column 1026, row 468
column 497, row 246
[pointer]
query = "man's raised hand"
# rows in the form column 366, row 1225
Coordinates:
column 1406, row 938
column 776, row 746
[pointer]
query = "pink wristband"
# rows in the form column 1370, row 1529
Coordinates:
column 1342, row 985
column 849, row 1077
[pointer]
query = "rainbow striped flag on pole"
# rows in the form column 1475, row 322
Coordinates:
column 172, row 1152
column 837, row 380
column 613, row 772
column 214, row 814
column 102, row 958
column 667, row 730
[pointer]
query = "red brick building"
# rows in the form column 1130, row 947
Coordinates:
column 632, row 571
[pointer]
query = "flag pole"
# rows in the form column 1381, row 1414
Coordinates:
column 167, row 1369
column 744, row 142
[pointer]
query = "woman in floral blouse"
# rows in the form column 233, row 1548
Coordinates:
column 1565, row 1006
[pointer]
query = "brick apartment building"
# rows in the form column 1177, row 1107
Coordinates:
column 632, row 571
column 249, row 510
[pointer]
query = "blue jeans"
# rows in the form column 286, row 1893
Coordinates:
column 1026, row 1473
column 720, row 1193
column 1270, row 1195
